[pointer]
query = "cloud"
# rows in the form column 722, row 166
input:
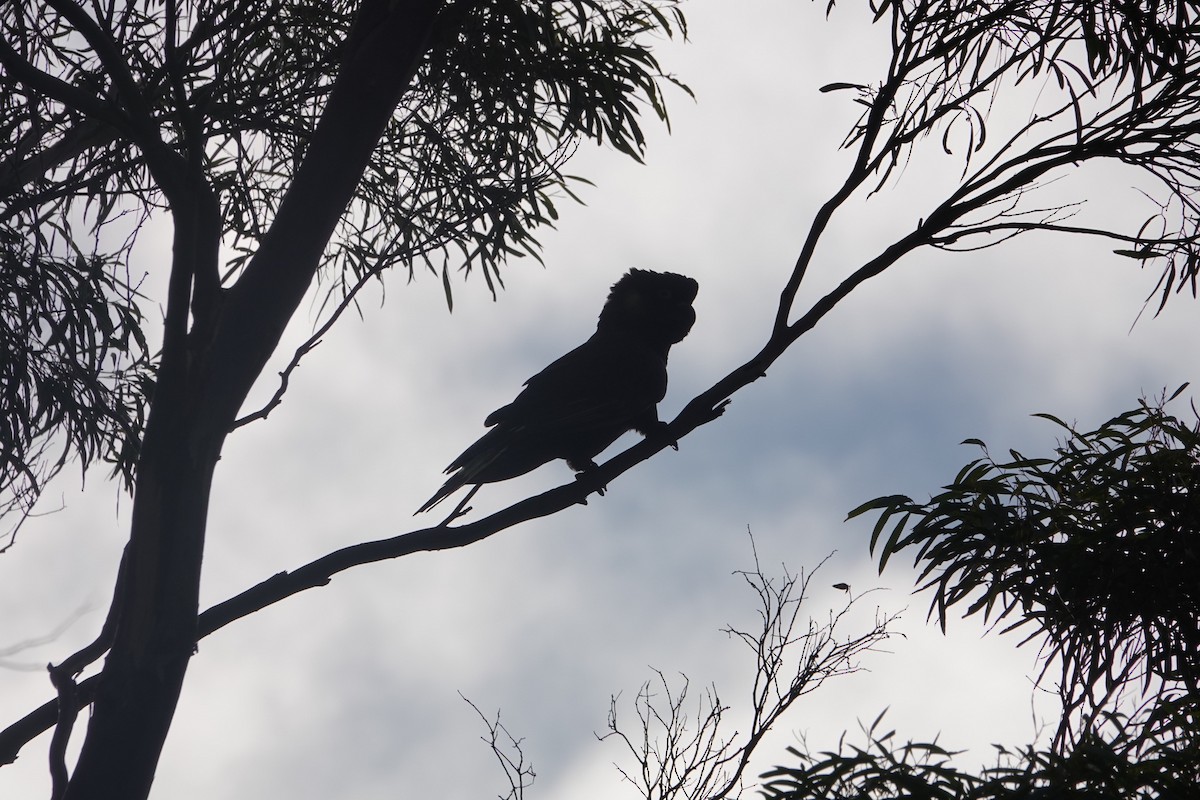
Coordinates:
column 352, row 690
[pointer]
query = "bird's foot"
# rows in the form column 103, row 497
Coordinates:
column 582, row 469
column 660, row 430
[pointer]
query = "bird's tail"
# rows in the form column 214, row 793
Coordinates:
column 452, row 485
column 473, row 466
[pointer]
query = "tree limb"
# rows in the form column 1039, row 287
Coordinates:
column 25, row 72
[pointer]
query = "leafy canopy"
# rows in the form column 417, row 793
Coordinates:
column 95, row 96
column 74, row 367
column 1123, row 765
column 1113, row 82
column 1096, row 549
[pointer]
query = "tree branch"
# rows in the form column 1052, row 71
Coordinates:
column 25, row 72
column 382, row 54
column 321, row 571
column 114, row 63
column 74, row 141
column 305, row 348
column 517, row 771
column 678, row 757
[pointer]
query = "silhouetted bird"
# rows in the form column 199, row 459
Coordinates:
column 580, row 404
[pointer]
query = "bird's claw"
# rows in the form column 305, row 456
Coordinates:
column 581, row 474
column 661, row 430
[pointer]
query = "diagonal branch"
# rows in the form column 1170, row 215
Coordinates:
column 703, row 409
column 116, row 66
column 26, row 73
column 304, row 349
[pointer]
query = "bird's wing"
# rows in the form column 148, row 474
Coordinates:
column 604, row 382
column 473, row 462
column 582, row 402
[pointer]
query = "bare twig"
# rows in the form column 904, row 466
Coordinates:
column 508, row 752
column 350, row 298
column 682, row 758
column 671, row 756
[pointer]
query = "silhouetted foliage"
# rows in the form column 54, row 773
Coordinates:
column 1122, row 84
column 1125, row 765
column 467, row 170
column 287, row 141
column 74, row 369
column 1094, row 549
column 1094, row 552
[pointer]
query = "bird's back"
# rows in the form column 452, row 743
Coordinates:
column 573, row 409
column 580, row 404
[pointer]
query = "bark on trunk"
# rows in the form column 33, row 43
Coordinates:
column 204, row 378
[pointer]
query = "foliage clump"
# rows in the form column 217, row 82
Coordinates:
column 1097, row 549
column 1121, row 765
column 74, row 369
column 113, row 115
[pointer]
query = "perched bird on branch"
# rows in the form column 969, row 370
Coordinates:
column 580, row 404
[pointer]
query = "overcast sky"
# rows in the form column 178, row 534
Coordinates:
column 352, row 691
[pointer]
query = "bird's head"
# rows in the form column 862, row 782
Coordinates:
column 656, row 305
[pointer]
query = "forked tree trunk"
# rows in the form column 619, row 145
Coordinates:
column 144, row 671
column 204, row 378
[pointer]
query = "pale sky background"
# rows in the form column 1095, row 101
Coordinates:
column 352, row 691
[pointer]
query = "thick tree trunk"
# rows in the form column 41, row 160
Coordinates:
column 204, row 378
column 144, row 672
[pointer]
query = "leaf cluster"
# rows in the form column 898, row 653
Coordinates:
column 1096, row 548
column 472, row 163
column 1145, row 41
column 92, row 94
column 949, row 56
column 1121, row 765
column 1114, row 81
column 74, row 369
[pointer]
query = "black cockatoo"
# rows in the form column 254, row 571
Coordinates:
column 580, row 404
